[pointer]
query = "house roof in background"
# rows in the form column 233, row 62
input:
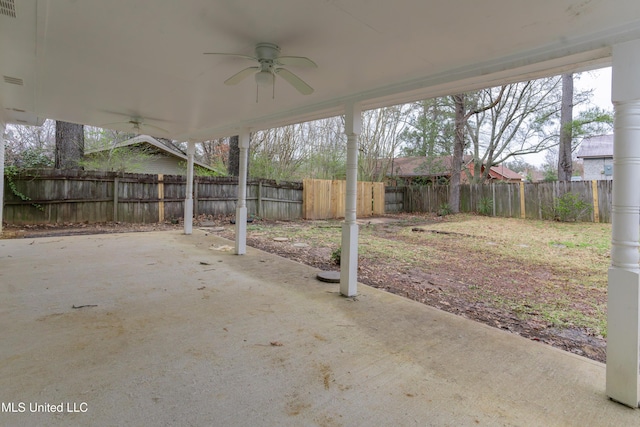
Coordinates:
column 149, row 140
column 422, row 166
column 596, row 147
column 407, row 167
column 503, row 172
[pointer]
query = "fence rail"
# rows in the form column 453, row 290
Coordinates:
column 88, row 196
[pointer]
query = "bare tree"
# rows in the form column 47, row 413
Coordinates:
column 566, row 119
column 517, row 124
column 379, row 141
column 30, row 146
column 215, row 153
column 461, row 119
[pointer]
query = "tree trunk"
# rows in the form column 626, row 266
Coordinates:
column 458, row 153
column 69, row 145
column 565, row 164
column 233, row 167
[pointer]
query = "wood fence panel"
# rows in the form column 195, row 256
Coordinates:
column 280, row 202
column 605, row 191
column 82, row 196
column 216, row 197
column 324, row 199
column 337, row 199
column 506, row 197
column 378, row 198
column 393, row 199
column 79, row 196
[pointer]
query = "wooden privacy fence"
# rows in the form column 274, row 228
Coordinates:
column 88, row 196
column 513, row 200
column 325, row 199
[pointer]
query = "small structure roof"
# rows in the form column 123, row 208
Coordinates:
column 146, row 139
column 596, row 147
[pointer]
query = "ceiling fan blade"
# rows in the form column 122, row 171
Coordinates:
column 109, row 125
column 237, row 55
column 295, row 81
column 145, row 125
column 239, row 76
column 297, row 61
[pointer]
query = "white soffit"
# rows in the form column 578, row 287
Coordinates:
column 99, row 62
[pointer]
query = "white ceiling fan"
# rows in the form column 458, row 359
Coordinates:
column 270, row 65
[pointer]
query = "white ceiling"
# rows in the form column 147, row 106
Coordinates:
column 98, row 62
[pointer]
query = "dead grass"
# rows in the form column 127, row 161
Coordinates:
column 552, row 272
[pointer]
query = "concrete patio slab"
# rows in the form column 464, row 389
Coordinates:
column 171, row 332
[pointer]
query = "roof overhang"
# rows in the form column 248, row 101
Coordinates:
column 97, row 63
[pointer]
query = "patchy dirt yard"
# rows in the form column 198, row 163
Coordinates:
column 545, row 281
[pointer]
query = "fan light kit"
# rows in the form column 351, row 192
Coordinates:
column 269, row 66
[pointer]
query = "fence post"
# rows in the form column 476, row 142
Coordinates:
column 196, row 181
column 259, row 207
column 116, row 186
column 594, row 192
column 160, row 197
column 522, row 212
column 493, row 197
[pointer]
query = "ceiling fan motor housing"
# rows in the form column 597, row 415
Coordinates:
column 267, row 51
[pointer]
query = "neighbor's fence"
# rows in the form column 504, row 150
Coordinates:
column 513, row 200
column 88, row 196
column 325, row 199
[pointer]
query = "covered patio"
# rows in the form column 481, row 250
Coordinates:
column 130, row 63
column 172, row 331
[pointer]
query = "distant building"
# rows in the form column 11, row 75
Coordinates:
column 532, row 175
column 158, row 158
column 436, row 170
column 597, row 155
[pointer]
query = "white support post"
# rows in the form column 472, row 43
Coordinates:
column 349, row 247
column 188, row 201
column 623, row 306
column 241, row 207
column 2, row 128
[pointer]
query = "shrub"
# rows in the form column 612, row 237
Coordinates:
column 570, row 207
column 485, row 206
column 335, row 256
column 444, row 209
